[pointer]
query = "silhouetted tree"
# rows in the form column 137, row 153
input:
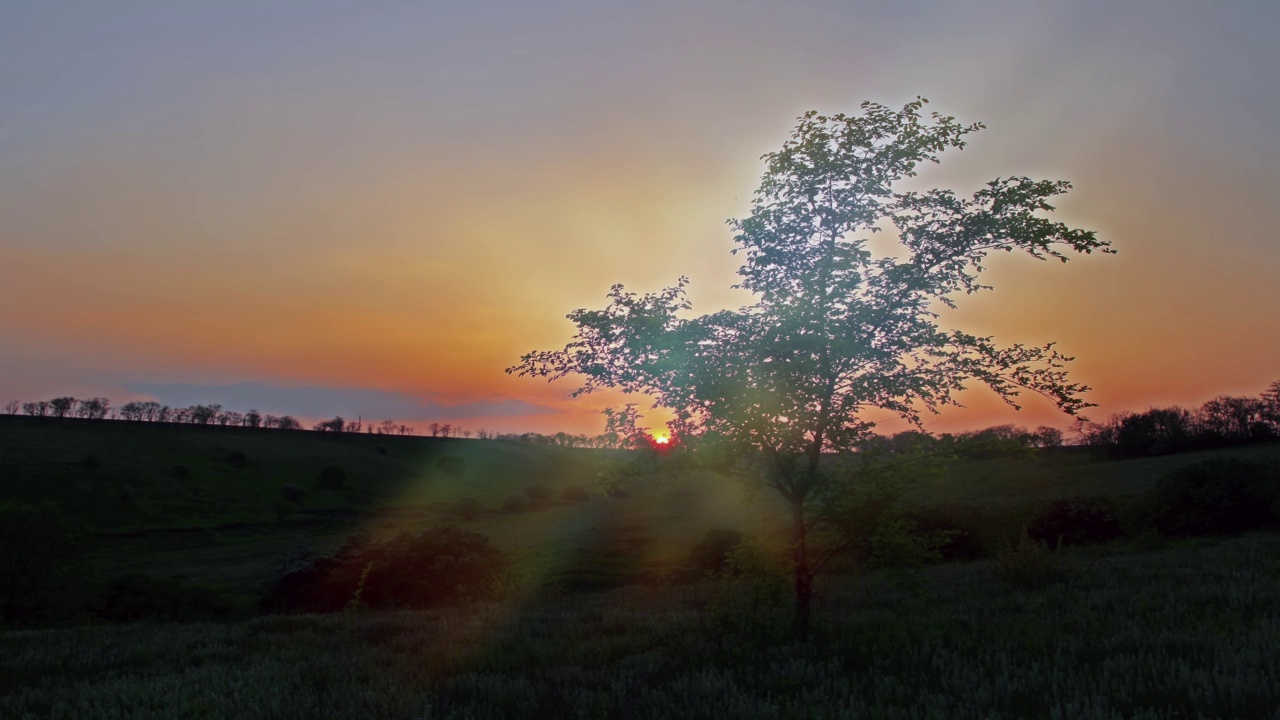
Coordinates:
column 38, row 408
column 61, row 407
column 12, row 407
column 834, row 330
column 1047, row 436
column 253, row 419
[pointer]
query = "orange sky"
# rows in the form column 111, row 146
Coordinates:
column 352, row 206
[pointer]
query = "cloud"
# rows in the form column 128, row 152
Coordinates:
column 327, row 402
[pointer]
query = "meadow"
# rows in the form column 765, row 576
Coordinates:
column 1141, row 627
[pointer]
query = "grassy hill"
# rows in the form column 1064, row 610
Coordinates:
column 201, row 503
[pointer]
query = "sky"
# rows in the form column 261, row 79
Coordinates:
column 372, row 209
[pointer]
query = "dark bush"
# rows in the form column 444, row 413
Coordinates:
column 469, row 508
column 283, row 509
column 182, row 472
column 237, row 459
column 575, row 494
column 956, row 527
column 331, row 478
column 711, row 553
column 1215, row 497
column 42, row 556
column 434, row 567
column 452, row 466
column 1076, row 521
column 515, row 503
column 143, row 597
column 539, row 494
column 381, row 449
column 293, row 493
column 90, row 462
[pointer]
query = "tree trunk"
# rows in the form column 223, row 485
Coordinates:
column 804, row 579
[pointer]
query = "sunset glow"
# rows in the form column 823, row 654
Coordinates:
column 372, row 214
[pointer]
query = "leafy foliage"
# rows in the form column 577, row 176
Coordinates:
column 1215, row 497
column 1077, row 521
column 835, row 331
column 332, row 477
column 433, row 567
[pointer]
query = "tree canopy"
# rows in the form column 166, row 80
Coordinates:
column 836, row 330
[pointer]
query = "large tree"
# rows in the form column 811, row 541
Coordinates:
column 836, row 330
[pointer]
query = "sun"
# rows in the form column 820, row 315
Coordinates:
column 661, row 439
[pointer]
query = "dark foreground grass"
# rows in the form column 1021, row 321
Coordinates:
column 1190, row 630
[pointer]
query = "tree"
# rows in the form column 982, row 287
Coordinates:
column 61, row 407
column 11, row 407
column 835, row 330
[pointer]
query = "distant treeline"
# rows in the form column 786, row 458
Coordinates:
column 1224, row 421
column 100, row 408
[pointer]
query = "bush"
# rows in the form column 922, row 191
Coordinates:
column 955, row 528
column 283, row 509
column 90, row 462
column 331, row 478
column 1031, row 565
column 1077, row 521
column 539, row 494
column 293, row 493
column 452, row 466
column 434, row 567
column 380, row 449
column 41, row 562
column 143, row 597
column 1215, row 497
column 469, row 508
column 575, row 494
column 712, row 552
column 182, row 472
column 237, row 459
column 515, row 503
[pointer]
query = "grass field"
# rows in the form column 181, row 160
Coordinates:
column 1145, row 628
column 218, row 524
column 1187, row 631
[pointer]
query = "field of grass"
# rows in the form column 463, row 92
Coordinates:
column 1143, row 628
column 1189, row 630
column 216, row 522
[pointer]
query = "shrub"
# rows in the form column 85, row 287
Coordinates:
column 293, row 493
column 469, row 508
column 452, row 466
column 380, row 449
column 331, row 478
column 1077, row 521
column 956, row 529
column 182, row 472
column 237, row 459
column 90, row 462
column 712, row 552
column 575, row 494
column 1031, row 565
column 437, row 566
column 137, row 596
column 749, row 594
column 539, row 494
column 1215, row 497
column 515, row 503
column 283, row 509
column 41, row 558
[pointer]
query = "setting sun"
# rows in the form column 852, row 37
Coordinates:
column 661, row 439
